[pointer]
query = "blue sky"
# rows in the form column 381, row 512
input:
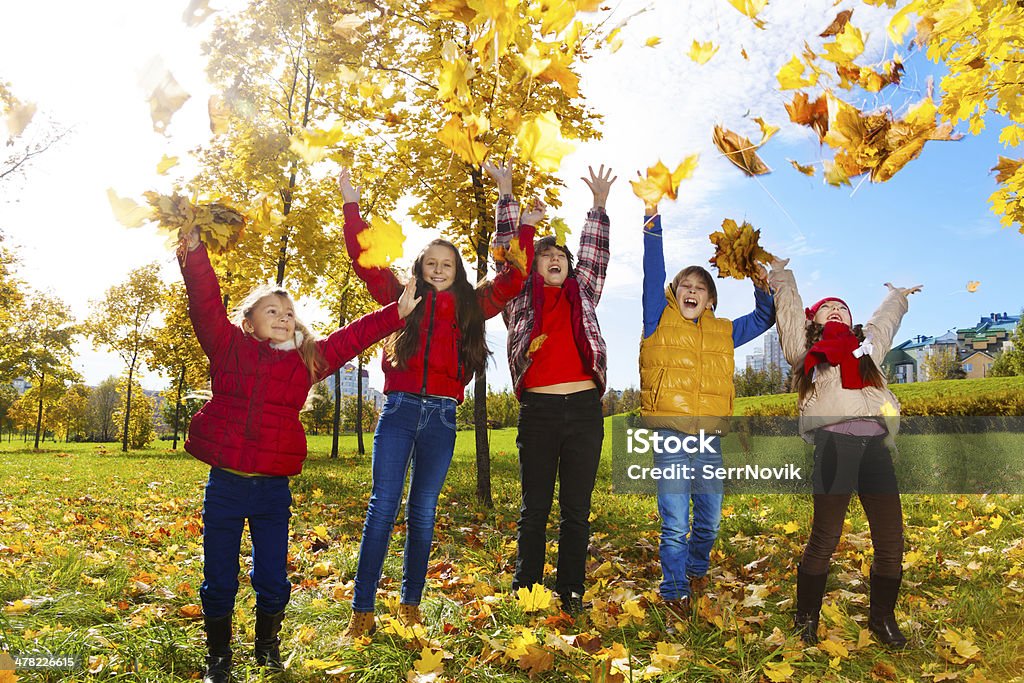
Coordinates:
column 929, row 225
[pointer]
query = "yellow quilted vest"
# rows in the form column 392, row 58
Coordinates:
column 686, row 371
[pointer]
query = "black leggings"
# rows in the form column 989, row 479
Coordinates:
column 842, row 464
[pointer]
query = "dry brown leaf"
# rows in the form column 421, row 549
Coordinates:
column 837, row 24
column 806, row 113
column 740, row 151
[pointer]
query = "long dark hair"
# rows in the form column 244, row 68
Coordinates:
column 473, row 350
column 869, row 372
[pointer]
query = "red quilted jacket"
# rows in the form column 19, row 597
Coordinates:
column 435, row 368
column 252, row 422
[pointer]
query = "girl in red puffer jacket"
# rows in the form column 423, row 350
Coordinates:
column 262, row 366
column 426, row 368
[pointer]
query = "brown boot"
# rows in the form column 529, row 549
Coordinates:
column 409, row 614
column 361, row 624
column 678, row 609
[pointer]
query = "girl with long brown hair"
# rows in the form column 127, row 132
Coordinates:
column 849, row 414
column 427, row 366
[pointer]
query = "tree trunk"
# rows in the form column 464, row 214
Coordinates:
column 483, row 451
column 39, row 413
column 127, row 409
column 177, row 408
column 337, row 398
column 359, row 406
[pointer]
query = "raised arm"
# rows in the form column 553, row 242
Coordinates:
column 205, row 303
column 789, row 312
column 654, row 272
column 885, row 321
column 382, row 284
column 592, row 262
column 757, row 322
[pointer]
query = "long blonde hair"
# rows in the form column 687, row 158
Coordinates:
column 312, row 358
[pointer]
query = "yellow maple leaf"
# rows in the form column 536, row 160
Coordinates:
column 790, row 527
column 653, row 41
column 219, row 111
column 534, row 345
column 460, row 137
column 791, row 75
column 958, row 647
column 660, row 182
column 382, row 243
column 191, row 611
column 533, row 61
column 555, row 16
column 995, row 521
column 17, row 607
column 534, row 599
column 166, row 163
column 889, row 410
column 807, row 170
column 750, row 9
column 561, row 229
column 738, row 253
column 129, row 212
column 767, row 130
column 702, row 52
column 834, row 648
column 345, row 27
column 588, row 5
column 311, row 144
column 540, row 142
column 559, row 72
column 972, row 285
column 777, row 672
column 19, row 115
column 429, row 661
column 835, row 175
column 166, row 96
column 536, row 660
column 847, row 46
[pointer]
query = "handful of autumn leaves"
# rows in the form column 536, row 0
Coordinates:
column 219, row 225
column 737, row 252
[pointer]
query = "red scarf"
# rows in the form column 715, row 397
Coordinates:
column 836, row 347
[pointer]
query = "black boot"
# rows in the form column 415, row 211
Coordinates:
column 218, row 647
column 810, row 588
column 882, row 619
column 267, row 644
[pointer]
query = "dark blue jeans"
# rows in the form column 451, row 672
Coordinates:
column 559, row 437
column 231, row 500
column 416, row 430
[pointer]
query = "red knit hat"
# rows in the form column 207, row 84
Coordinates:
column 813, row 310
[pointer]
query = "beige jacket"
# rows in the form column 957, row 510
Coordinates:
column 828, row 402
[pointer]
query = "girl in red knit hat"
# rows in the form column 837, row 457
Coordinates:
column 849, row 414
column 262, row 365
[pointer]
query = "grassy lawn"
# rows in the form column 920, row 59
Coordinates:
column 100, row 556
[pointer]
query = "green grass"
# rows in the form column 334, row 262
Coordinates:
column 103, row 551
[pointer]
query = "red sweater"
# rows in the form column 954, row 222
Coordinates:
column 435, row 368
column 557, row 360
column 252, row 422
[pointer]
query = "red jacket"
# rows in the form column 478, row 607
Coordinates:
column 252, row 422
column 442, row 373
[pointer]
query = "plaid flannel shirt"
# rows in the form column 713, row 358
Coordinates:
column 590, row 271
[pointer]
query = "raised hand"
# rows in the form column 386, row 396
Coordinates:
column 535, row 214
column 599, row 184
column 348, row 192
column 501, row 174
column 904, row 291
column 760, row 276
column 408, row 301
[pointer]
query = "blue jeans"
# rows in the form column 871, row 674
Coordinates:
column 230, row 500
column 420, row 430
column 685, row 550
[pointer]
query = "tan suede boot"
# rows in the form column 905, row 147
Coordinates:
column 361, row 624
column 410, row 614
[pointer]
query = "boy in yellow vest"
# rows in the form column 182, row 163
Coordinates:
column 686, row 386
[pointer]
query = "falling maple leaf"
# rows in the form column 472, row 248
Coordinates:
column 740, row 151
column 750, row 9
column 867, row 78
column 791, row 75
column 767, row 130
column 129, row 212
column 660, row 182
column 381, row 244
column 540, row 142
column 847, row 46
column 806, row 113
column 588, row 5
column 807, row 170
column 460, row 135
column 652, row 41
column 972, row 286
column 702, row 52
column 561, row 229
column 165, row 95
column 166, row 163
column 219, row 111
column 537, row 598
column 1006, row 168
column 312, row 144
column 197, row 12
column 737, row 251
column 19, row 115
column 837, row 24
column 743, row 53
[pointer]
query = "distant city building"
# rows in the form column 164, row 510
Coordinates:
column 977, row 365
column 769, row 354
column 349, row 385
column 990, row 335
column 21, row 385
column 905, row 362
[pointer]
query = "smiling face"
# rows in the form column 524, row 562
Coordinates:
column 273, row 318
column 553, row 266
column 693, row 296
column 438, row 266
column 833, row 311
